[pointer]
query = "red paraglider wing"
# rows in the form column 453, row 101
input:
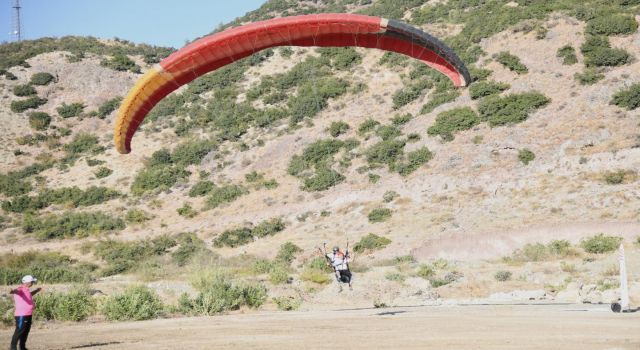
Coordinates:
column 330, row 30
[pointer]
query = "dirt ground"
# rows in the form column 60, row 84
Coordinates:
column 437, row 327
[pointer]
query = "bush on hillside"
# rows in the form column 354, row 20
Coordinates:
column 598, row 52
column 75, row 305
column 511, row 62
column 42, row 78
column 600, row 243
column 24, row 90
column 120, row 62
column 218, row 294
column 241, row 236
column 439, row 98
column 511, row 109
column 30, row 103
column 568, row 55
column 70, row 225
column 338, row 128
column 108, row 107
column 135, row 303
column 525, row 156
column 589, row 76
column 39, row 120
column 49, row 267
column 225, row 194
column 612, row 24
column 454, row 120
column 379, row 215
column 486, row 88
column 627, row 98
column 201, row 188
column 371, row 242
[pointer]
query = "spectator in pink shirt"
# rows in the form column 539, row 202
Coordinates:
column 23, row 298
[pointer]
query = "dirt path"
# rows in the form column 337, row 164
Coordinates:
column 580, row 327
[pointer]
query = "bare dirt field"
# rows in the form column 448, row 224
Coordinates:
column 429, row 327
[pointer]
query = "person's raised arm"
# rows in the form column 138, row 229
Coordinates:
column 13, row 291
column 36, row 291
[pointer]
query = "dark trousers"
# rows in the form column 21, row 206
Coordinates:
column 23, row 326
column 344, row 276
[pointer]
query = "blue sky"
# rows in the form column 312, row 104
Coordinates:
column 156, row 22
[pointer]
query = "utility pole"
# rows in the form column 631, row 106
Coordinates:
column 16, row 28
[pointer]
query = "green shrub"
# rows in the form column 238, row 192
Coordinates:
column 137, row 216
column 218, row 294
column 288, row 252
column 103, row 172
column 511, row 62
column 39, row 120
column 379, row 215
column 48, row 267
column 6, row 311
column 241, row 236
column 81, row 144
column 338, row 128
column 120, row 62
column 371, row 242
column 568, row 55
column 385, row 152
column 410, row 93
column 526, row 156
column 323, row 179
column 287, row 303
column 278, row 274
column 70, row 111
column 389, row 196
column 612, row 24
column 399, row 120
column 615, row 177
column 451, row 121
column 394, row 276
column 388, row 132
column 486, row 88
column 598, row 52
column 502, row 276
column 559, row 247
column 415, row 159
column 192, row 152
column 66, row 195
column 513, row 108
column 189, row 246
column 600, row 243
column 224, row 194
column 540, row 252
column 201, row 188
column 439, row 98
column 312, row 97
column 315, row 275
column 123, row 256
column 156, row 178
column 367, row 126
column 42, row 78
column 94, row 162
column 135, row 303
column 589, row 76
column 30, row 103
column 341, row 58
column 75, row 305
column 24, row 90
column 70, row 225
column 426, row 271
column 627, row 98
column 268, row 227
column 109, row 106
column 187, row 211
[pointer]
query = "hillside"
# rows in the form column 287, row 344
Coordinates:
column 247, row 170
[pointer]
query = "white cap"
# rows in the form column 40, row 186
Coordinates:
column 29, row 278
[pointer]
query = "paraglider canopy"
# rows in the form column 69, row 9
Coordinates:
column 325, row 30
